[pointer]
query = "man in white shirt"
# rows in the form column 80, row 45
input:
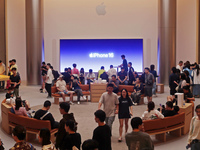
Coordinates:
column 49, row 79
column 62, row 89
column 180, row 66
column 90, row 77
column 2, row 72
column 111, row 72
column 194, row 133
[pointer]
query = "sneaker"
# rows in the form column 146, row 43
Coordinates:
column 78, row 103
column 135, row 104
column 71, row 103
column 84, row 98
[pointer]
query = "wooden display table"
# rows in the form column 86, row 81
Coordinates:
column 5, row 108
column 188, row 116
column 4, row 77
column 96, row 90
column 159, row 88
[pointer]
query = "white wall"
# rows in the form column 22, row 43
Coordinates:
column 186, row 30
column 78, row 19
column 15, row 34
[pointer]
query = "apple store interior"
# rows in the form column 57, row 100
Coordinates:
column 139, row 39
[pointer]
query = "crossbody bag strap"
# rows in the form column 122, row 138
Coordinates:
column 41, row 118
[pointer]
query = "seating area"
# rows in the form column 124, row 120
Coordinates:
column 160, row 127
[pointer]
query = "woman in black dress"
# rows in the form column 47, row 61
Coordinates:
column 125, row 112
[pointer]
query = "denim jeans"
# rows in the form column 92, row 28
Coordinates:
column 109, row 121
column 154, row 88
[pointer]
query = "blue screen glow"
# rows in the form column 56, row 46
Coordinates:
column 94, row 53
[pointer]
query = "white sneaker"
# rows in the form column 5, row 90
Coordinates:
column 84, row 98
column 71, row 103
column 78, row 103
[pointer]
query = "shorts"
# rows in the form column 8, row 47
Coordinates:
column 148, row 92
column 65, row 92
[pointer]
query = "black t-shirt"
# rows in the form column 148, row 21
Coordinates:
column 122, row 75
column 168, row 113
column 71, row 140
column 67, row 77
column 131, row 76
column 15, row 79
column 8, row 95
column 49, row 116
column 102, row 134
column 125, row 65
column 44, row 71
column 55, row 74
column 124, row 105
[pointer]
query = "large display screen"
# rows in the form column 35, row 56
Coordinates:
column 94, row 53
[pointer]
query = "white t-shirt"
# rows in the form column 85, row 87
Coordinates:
column 196, row 79
column 2, row 68
column 111, row 72
column 180, row 68
column 153, row 114
column 194, row 132
column 91, row 76
column 50, row 76
column 61, row 84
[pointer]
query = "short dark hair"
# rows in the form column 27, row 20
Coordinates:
column 70, row 124
column 48, row 64
column 122, row 56
column 65, row 106
column 19, row 132
column 90, row 71
column 110, row 85
column 130, row 63
column 43, row 63
column 169, row 104
column 46, row 136
column 90, row 145
column 51, row 67
column 136, row 122
column 14, row 60
column 47, row 103
column 101, row 115
column 74, row 65
column 147, row 68
column 66, row 69
column 151, row 106
column 102, row 67
column 186, row 88
column 174, row 69
column 69, row 68
column 111, row 66
column 152, row 67
column 114, row 76
column 10, row 61
column 180, row 62
column 14, row 69
column 122, row 68
column 197, row 107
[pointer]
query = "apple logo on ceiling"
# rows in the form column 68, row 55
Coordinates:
column 100, row 9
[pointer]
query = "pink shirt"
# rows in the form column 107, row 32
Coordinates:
column 75, row 71
column 21, row 111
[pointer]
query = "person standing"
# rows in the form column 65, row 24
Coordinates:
column 124, row 63
column 15, row 81
column 196, row 80
column 172, row 85
column 44, row 73
column 149, row 80
column 154, row 72
column 125, row 112
column 67, row 75
column 110, row 105
column 2, row 72
column 194, row 132
column 14, row 65
column 49, row 79
column 102, row 134
column 55, row 75
column 130, row 74
column 180, row 66
column 111, row 72
column 138, row 140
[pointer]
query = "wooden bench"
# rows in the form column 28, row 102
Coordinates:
column 31, row 125
column 130, row 89
column 159, row 127
column 54, row 91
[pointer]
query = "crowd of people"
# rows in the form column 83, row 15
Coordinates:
column 183, row 79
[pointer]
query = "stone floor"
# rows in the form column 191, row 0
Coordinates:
column 84, row 115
